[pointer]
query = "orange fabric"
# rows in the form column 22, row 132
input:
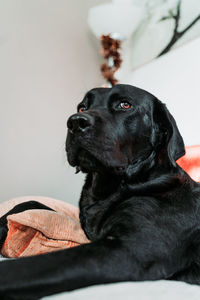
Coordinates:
column 40, row 231
column 190, row 162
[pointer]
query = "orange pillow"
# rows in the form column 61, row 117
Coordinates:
column 40, row 231
column 190, row 162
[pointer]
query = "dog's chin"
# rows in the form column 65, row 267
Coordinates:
column 86, row 162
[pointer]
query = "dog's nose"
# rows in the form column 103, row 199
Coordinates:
column 79, row 123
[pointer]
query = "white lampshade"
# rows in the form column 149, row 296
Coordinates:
column 117, row 17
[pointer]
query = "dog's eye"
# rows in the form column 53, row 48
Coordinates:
column 81, row 109
column 125, row 105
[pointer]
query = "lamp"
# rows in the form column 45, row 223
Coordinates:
column 119, row 17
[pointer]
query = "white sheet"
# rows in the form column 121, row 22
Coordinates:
column 149, row 290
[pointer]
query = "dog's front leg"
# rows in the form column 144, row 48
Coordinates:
column 66, row 270
column 103, row 261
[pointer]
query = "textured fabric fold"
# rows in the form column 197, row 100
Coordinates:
column 39, row 231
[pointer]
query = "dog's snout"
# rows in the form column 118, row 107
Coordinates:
column 79, row 123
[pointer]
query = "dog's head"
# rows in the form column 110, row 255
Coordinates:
column 124, row 130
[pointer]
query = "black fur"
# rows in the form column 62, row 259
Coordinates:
column 140, row 210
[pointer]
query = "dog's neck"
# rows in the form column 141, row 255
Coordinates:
column 102, row 186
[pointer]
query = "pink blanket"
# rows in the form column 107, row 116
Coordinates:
column 40, row 231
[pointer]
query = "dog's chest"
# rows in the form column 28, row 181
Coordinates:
column 90, row 218
column 94, row 213
column 96, row 200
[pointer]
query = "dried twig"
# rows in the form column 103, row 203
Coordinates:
column 176, row 34
column 111, row 52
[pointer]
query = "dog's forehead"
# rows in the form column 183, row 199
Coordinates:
column 101, row 96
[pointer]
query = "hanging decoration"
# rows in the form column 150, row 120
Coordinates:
column 111, row 51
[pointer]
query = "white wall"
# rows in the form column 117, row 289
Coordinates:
column 47, row 63
column 175, row 79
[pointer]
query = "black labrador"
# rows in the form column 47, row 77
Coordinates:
column 140, row 210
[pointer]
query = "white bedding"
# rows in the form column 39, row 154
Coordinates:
column 149, row 290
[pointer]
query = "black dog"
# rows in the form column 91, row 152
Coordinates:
column 138, row 207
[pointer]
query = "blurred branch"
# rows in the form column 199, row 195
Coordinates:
column 191, row 24
column 176, row 34
column 170, row 16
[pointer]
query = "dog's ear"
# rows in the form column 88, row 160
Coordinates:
column 165, row 133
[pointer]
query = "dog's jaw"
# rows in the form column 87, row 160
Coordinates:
column 88, row 160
